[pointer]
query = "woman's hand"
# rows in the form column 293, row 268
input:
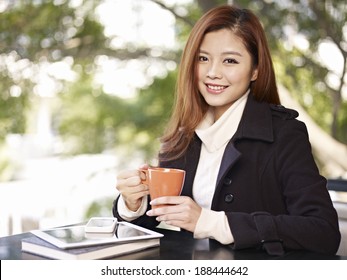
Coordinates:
column 130, row 187
column 183, row 211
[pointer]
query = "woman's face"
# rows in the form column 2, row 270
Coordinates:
column 224, row 70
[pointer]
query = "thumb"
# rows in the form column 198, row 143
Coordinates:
column 144, row 166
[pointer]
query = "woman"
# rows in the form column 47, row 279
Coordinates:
column 251, row 180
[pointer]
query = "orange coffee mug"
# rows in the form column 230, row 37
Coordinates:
column 163, row 181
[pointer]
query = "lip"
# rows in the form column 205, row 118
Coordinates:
column 214, row 88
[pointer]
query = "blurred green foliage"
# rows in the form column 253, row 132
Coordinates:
column 99, row 208
column 101, row 121
column 32, row 32
column 90, row 121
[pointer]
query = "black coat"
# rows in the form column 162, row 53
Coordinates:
column 268, row 183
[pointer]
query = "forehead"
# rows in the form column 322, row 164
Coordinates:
column 222, row 40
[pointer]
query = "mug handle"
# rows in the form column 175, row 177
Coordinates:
column 145, row 172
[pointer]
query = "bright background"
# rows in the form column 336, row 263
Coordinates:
column 86, row 88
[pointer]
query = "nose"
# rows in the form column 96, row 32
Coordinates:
column 214, row 72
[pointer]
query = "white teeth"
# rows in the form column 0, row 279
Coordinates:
column 216, row 87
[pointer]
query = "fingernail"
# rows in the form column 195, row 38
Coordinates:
column 149, row 213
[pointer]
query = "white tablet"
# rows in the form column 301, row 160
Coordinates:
column 101, row 225
column 76, row 236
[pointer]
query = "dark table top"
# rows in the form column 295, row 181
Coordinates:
column 175, row 246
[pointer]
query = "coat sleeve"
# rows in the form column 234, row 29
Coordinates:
column 311, row 221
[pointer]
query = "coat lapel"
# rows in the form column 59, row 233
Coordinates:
column 230, row 156
column 256, row 124
column 191, row 161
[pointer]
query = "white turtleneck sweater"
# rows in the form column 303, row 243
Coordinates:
column 214, row 135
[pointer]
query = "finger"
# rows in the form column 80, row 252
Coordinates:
column 139, row 189
column 168, row 200
column 164, row 210
column 128, row 191
column 172, row 217
column 144, row 166
column 181, row 220
column 128, row 182
column 132, row 181
column 136, row 196
column 133, row 199
column 124, row 174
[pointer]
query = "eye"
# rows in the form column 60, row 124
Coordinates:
column 231, row 61
column 203, row 58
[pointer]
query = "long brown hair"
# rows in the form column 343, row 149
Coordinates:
column 190, row 107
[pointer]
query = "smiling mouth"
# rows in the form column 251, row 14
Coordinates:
column 215, row 88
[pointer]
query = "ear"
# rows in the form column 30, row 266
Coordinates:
column 254, row 74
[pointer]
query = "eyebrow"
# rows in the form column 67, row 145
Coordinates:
column 223, row 53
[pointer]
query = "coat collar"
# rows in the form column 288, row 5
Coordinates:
column 256, row 121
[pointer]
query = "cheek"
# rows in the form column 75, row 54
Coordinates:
column 198, row 78
column 232, row 76
column 200, row 72
column 240, row 76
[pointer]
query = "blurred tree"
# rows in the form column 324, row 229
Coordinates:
column 308, row 42
column 102, row 121
column 308, row 27
column 34, row 34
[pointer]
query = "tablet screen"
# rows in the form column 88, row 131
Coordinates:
column 75, row 236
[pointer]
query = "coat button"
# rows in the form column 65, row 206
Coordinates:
column 227, row 181
column 228, row 198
